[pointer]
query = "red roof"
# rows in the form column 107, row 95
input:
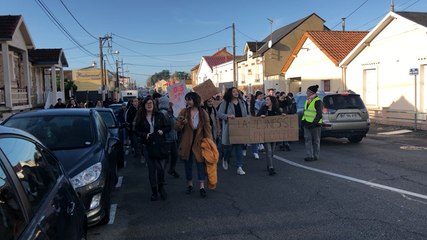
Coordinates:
column 217, row 60
column 8, row 25
column 336, row 44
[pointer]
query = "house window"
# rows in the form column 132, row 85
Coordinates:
column 249, row 72
column 326, row 85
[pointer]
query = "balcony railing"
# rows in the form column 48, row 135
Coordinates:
column 19, row 96
column 2, row 97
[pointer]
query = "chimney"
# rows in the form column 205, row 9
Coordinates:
column 343, row 24
column 392, row 6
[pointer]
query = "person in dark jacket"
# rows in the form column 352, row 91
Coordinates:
column 129, row 117
column 151, row 127
column 311, row 122
column 60, row 104
column 271, row 108
column 172, row 137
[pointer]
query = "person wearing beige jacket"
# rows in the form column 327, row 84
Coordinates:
column 193, row 123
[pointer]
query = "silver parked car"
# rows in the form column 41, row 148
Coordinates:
column 344, row 115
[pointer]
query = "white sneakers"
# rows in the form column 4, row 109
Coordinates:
column 224, row 164
column 240, row 171
column 244, row 153
column 256, row 156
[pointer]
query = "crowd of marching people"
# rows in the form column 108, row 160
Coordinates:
column 199, row 135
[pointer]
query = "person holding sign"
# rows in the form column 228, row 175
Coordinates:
column 271, row 108
column 193, row 122
column 233, row 106
column 311, row 122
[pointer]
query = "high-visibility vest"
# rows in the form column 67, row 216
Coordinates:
column 310, row 111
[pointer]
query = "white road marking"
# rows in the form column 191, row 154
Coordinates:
column 395, row 132
column 113, row 211
column 119, row 182
column 397, row 190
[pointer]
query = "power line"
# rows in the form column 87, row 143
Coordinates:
column 251, row 38
column 87, row 44
column 172, row 43
column 63, row 4
column 411, row 5
column 61, row 27
column 352, row 13
column 160, row 66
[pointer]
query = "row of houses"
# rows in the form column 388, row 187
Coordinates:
column 34, row 78
column 386, row 66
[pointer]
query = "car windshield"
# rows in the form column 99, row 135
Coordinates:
column 57, row 132
column 343, row 102
column 108, row 118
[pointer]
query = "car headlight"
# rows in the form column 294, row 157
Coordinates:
column 88, row 176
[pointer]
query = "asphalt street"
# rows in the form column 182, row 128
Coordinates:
column 372, row 190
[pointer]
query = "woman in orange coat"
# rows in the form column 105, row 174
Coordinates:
column 193, row 122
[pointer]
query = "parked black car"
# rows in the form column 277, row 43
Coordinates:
column 37, row 200
column 116, row 130
column 82, row 143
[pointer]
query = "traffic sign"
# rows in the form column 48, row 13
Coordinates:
column 413, row 71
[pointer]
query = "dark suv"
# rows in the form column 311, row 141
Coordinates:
column 37, row 201
column 344, row 115
column 83, row 144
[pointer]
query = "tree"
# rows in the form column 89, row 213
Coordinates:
column 165, row 74
column 181, row 76
column 68, row 85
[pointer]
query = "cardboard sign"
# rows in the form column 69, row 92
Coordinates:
column 261, row 130
column 176, row 94
column 206, row 90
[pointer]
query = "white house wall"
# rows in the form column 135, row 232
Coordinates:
column 398, row 48
column 313, row 66
column 205, row 72
column 18, row 41
column 223, row 73
column 250, row 73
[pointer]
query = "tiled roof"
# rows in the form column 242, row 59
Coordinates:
column 8, row 25
column 336, row 44
column 255, row 46
column 418, row 17
column 222, row 52
column 47, row 56
column 282, row 32
column 195, row 67
column 217, row 60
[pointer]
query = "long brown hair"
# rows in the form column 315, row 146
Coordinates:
column 141, row 114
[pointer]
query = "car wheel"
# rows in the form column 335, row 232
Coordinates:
column 107, row 207
column 355, row 139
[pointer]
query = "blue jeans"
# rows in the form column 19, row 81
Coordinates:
column 254, row 147
column 238, row 152
column 201, row 174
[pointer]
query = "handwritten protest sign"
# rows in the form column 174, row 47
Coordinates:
column 176, row 94
column 260, row 130
column 206, row 90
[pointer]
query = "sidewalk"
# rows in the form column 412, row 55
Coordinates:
column 377, row 128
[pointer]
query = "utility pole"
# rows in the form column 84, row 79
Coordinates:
column 101, row 64
column 235, row 83
column 117, row 76
column 101, row 67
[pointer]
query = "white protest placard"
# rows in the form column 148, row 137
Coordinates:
column 176, row 94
